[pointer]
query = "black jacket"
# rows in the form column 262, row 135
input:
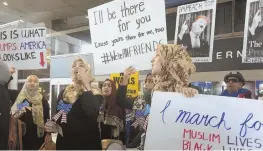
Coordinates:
column 5, row 107
column 10, row 79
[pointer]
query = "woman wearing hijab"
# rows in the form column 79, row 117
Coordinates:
column 33, row 109
column 172, row 68
column 139, row 105
column 4, row 106
column 141, row 114
column 77, row 112
column 111, row 117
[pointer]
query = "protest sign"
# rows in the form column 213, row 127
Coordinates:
column 195, row 25
column 24, row 48
column 125, row 33
column 204, row 122
column 253, row 33
column 133, row 86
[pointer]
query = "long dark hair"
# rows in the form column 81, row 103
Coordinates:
column 110, row 101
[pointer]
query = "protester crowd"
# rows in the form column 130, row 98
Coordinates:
column 89, row 118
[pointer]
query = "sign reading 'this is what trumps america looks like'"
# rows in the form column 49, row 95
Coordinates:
column 24, row 48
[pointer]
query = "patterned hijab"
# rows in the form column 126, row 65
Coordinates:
column 73, row 91
column 112, row 112
column 177, row 68
column 32, row 96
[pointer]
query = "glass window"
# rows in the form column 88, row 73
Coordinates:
column 42, row 73
column 223, row 18
column 54, row 98
column 64, row 45
column 240, row 13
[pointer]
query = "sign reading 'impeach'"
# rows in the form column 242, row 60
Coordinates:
column 133, row 86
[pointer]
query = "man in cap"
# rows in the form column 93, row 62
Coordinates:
column 235, row 83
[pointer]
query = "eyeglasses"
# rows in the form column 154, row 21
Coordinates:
column 232, row 80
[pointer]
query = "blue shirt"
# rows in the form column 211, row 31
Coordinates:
column 240, row 93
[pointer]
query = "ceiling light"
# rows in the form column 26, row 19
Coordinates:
column 5, row 3
column 87, row 17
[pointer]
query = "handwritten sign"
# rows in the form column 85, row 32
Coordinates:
column 204, row 123
column 253, row 34
column 133, row 86
column 24, row 48
column 126, row 32
column 195, row 25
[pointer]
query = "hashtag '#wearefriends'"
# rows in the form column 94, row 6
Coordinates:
column 105, row 58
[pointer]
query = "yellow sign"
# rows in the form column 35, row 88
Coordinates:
column 133, row 86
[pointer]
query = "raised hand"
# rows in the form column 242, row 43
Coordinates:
column 256, row 20
column 127, row 74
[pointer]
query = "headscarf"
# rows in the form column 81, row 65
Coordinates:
column 147, row 94
column 5, row 73
column 73, row 91
column 114, row 114
column 34, row 97
column 177, row 68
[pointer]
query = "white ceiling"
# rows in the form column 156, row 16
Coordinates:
column 36, row 11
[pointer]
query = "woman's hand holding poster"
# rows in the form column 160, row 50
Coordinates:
column 204, row 123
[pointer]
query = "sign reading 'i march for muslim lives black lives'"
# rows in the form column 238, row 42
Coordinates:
column 126, row 33
column 195, row 25
column 204, row 122
column 24, row 48
column 253, row 32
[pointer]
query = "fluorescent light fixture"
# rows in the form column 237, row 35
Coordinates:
column 5, row 3
column 11, row 23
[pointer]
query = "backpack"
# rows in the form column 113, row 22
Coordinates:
column 17, row 129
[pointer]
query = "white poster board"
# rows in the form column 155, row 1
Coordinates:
column 204, row 122
column 195, row 26
column 125, row 33
column 24, row 48
column 253, row 33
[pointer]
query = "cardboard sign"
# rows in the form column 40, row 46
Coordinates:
column 125, row 33
column 133, row 86
column 253, row 33
column 24, row 48
column 204, row 122
column 195, row 26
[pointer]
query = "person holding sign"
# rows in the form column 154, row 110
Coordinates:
column 33, row 109
column 4, row 106
column 174, row 67
column 77, row 112
column 235, row 82
column 141, row 114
